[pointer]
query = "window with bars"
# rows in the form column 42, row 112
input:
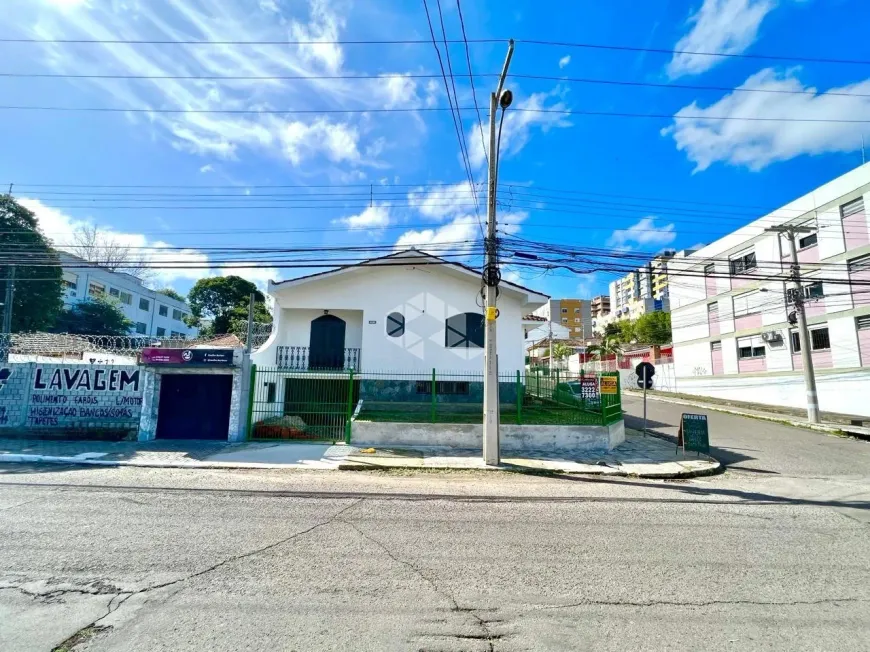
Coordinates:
column 820, row 340
column 852, row 207
column 863, row 323
column 743, row 263
column 715, row 346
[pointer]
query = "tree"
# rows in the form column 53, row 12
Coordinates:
column 561, row 351
column 653, row 328
column 169, row 292
column 224, row 301
column 94, row 317
column 103, row 249
column 37, row 299
column 610, row 345
column 622, row 330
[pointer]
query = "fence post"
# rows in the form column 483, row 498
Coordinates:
column 347, row 423
column 519, row 399
column 582, row 390
column 434, row 394
column 251, row 395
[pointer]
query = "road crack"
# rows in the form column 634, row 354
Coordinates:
column 119, row 597
column 482, row 622
column 705, row 603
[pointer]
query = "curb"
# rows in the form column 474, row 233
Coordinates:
column 783, row 419
column 610, row 471
column 48, row 459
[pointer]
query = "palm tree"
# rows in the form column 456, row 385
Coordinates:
column 561, row 351
column 610, row 345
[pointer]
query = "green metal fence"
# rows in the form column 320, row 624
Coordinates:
column 321, row 406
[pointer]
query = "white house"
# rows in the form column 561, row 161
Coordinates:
column 406, row 312
column 151, row 312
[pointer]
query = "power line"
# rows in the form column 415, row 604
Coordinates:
column 471, row 81
column 457, row 125
column 569, row 44
column 399, row 75
column 425, row 109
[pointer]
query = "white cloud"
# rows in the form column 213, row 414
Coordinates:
column 337, row 141
column 457, row 235
column 756, row 144
column 644, row 232
column 373, row 217
column 68, row 4
column 519, row 125
column 587, row 286
column 184, row 264
column 443, row 201
column 720, row 26
column 220, row 135
column 205, row 169
column 509, row 223
column 564, row 61
column 324, row 28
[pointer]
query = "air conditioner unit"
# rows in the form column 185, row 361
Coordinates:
column 772, row 336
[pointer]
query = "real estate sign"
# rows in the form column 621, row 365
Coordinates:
column 609, row 384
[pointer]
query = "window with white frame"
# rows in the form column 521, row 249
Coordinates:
column 809, row 240
column 749, row 348
column 820, row 340
column 852, row 207
column 743, row 262
column 747, row 303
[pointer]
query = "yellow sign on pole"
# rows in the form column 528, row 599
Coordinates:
column 609, row 385
column 491, row 313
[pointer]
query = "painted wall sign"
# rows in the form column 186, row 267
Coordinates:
column 70, row 396
column 158, row 356
column 97, row 380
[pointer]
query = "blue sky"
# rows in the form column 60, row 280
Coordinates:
column 756, row 165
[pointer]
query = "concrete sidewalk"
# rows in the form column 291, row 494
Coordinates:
column 645, row 457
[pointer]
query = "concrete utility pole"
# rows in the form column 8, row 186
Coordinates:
column 803, row 331
column 7, row 303
column 250, row 337
column 491, row 277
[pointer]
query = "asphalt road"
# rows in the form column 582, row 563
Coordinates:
column 756, row 446
column 128, row 559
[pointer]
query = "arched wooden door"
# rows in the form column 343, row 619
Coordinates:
column 326, row 345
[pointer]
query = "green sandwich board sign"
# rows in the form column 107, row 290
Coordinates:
column 694, row 433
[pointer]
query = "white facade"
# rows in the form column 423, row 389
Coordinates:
column 732, row 337
column 152, row 313
column 421, row 291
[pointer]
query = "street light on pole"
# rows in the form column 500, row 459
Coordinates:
column 492, row 275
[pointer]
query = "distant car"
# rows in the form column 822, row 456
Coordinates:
column 570, row 392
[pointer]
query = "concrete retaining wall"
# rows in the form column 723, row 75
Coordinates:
column 513, row 438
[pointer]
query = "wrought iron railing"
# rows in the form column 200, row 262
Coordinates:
column 300, row 358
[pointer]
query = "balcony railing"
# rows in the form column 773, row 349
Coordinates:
column 299, row 358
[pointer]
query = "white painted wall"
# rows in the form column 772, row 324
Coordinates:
column 729, row 355
column 694, row 360
column 778, row 355
column 296, row 326
column 844, row 343
column 690, row 323
column 425, row 294
column 844, row 392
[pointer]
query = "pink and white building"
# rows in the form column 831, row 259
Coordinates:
column 730, row 310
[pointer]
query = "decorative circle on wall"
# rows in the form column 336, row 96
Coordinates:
column 395, row 324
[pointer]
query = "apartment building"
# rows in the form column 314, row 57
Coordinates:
column 733, row 316
column 599, row 306
column 573, row 314
column 152, row 313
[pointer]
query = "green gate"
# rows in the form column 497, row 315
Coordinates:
column 302, row 405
